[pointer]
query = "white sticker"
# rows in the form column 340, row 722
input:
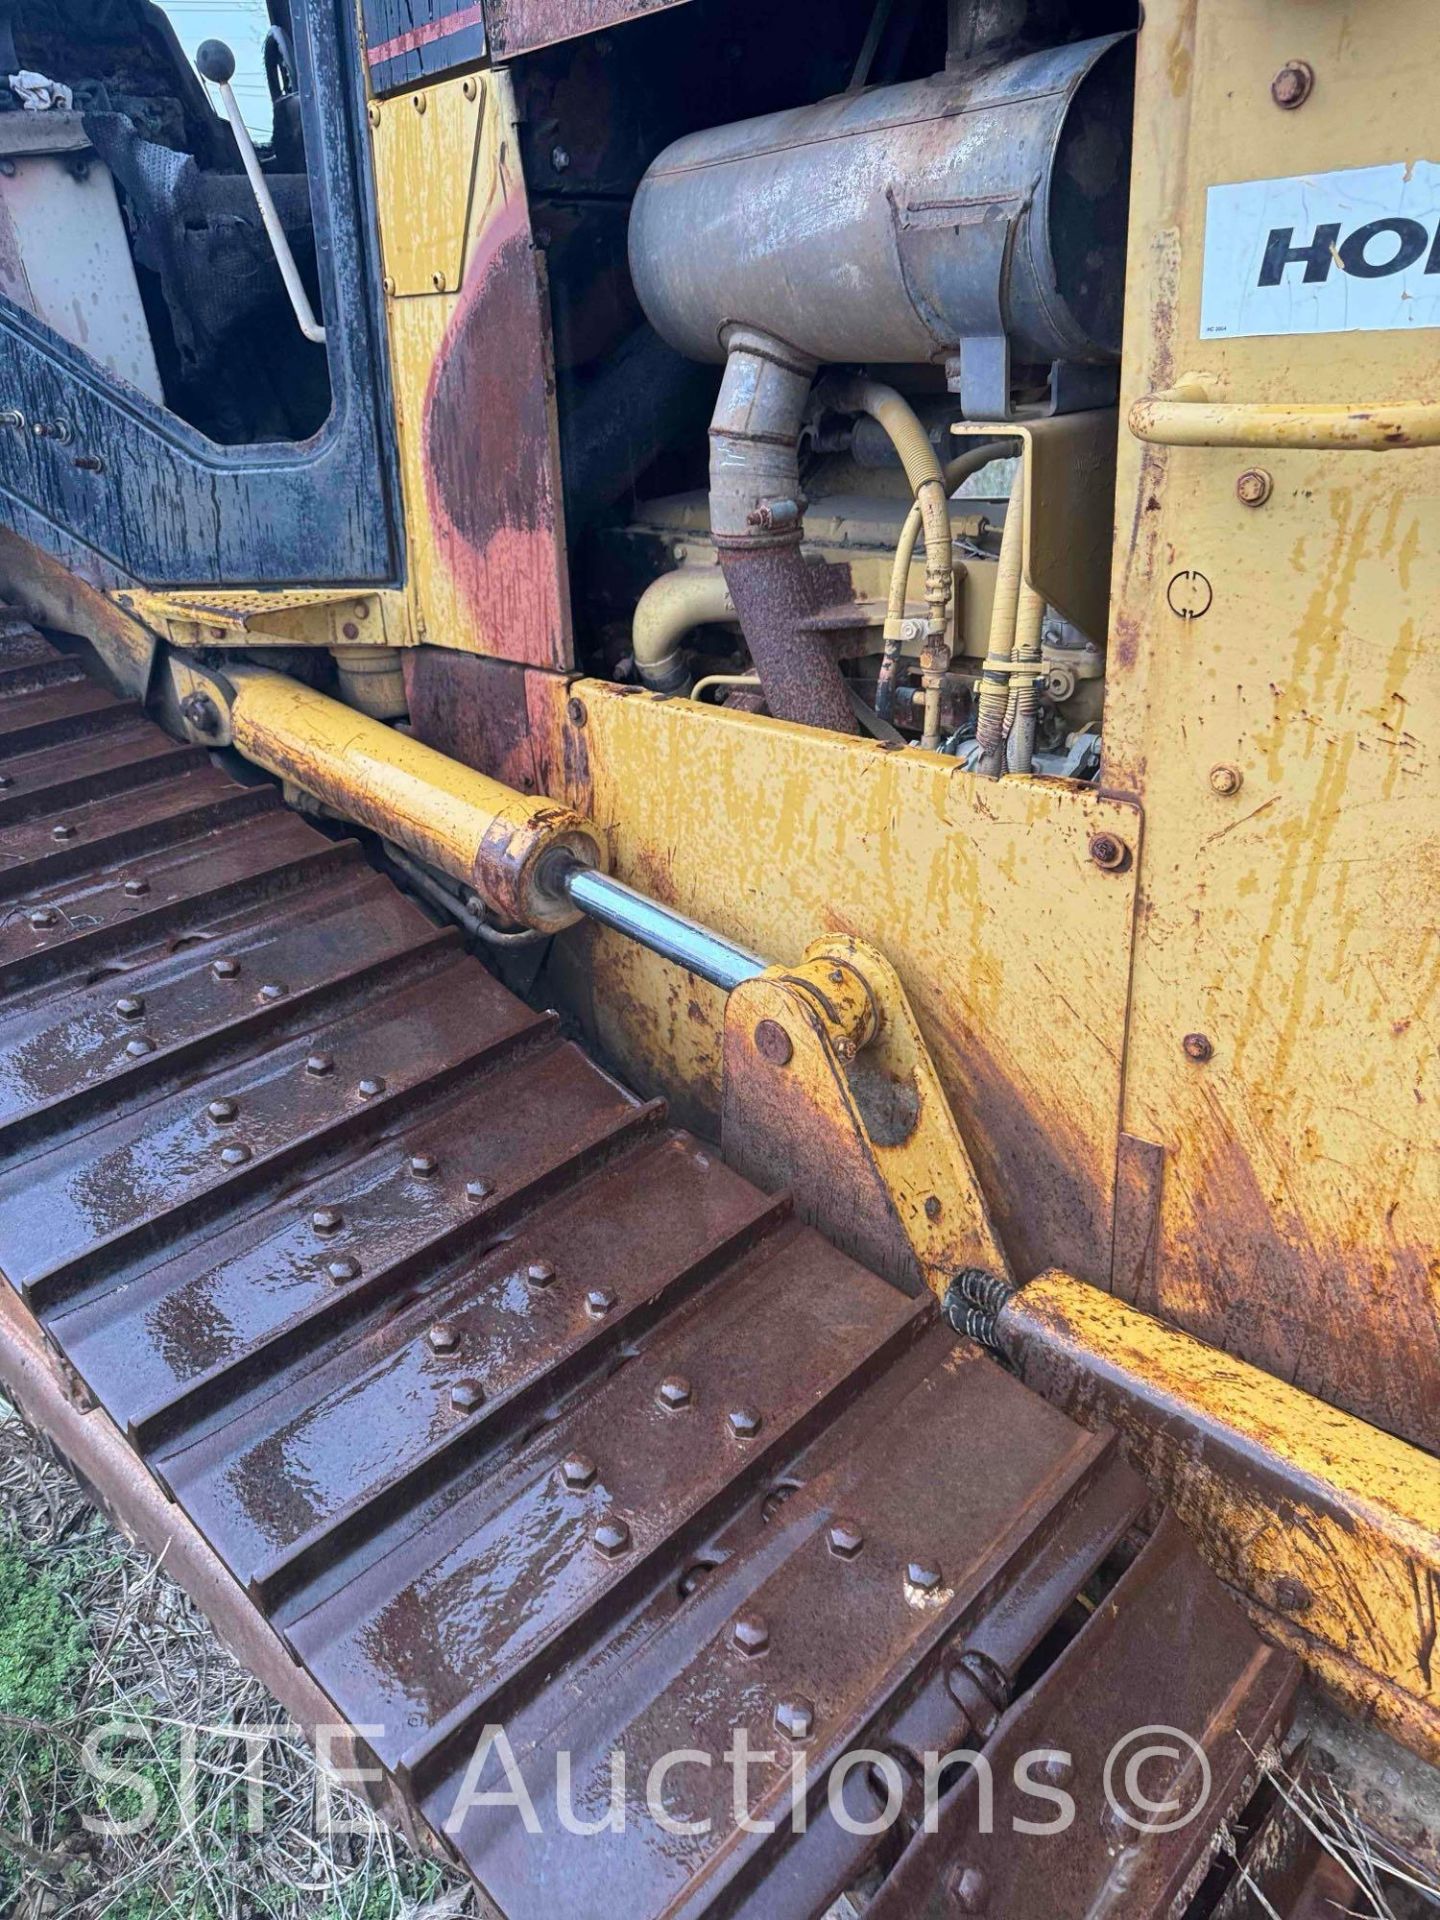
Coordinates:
column 1351, row 252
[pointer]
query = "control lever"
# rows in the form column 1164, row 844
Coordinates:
column 217, row 65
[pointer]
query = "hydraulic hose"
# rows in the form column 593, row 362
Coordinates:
column 667, row 610
column 995, row 674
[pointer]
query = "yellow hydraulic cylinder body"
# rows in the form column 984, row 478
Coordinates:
column 480, row 832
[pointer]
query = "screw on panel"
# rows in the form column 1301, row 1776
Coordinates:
column 1198, row 1047
column 1293, row 84
column 578, row 1471
column 319, row 1063
column 772, row 1043
column 130, row 1006
column 744, row 1422
column 845, row 1539
column 751, row 1633
column 222, row 1111
column 612, row 1537
column 466, row 1396
column 674, row 1392
column 1109, row 852
column 1254, row 487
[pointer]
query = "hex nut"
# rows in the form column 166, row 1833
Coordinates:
column 342, row 1268
column 235, row 1156
column 139, row 1046
column 845, row 1539
column 751, row 1633
column 1109, row 852
column 1254, row 487
column 598, row 1302
column 443, row 1337
column 578, row 1471
column 222, row 1111
column 674, row 1392
column 225, row 969
column 795, row 1718
column 370, row 1088
column 744, row 1422
column 319, row 1064
column 424, row 1166
column 466, row 1396
column 540, row 1273
column 612, row 1536
column 130, row 1006
column 63, row 832
column 327, row 1219
column 924, row 1576
column 477, row 1189
column 137, row 889
column 272, row 990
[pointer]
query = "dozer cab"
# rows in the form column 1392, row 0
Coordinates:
column 718, row 973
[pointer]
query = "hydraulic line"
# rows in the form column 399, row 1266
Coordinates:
column 995, row 675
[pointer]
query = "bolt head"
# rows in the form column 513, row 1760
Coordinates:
column 137, row 889
column 7, row 780
column 744, row 1422
column 575, row 712
column 1254, row 487
column 225, row 969
column 272, row 990
column 540, row 1273
column 443, row 1337
column 319, row 1064
column 222, row 1110
column 327, row 1219
column 235, row 1156
column 201, row 712
column 342, row 1268
column 933, row 1208
column 43, row 917
column 424, row 1166
column 130, row 1006
column 845, row 1539
column 370, row 1088
column 1293, row 84
column 1198, row 1047
column 578, row 1471
column 969, row 1889
column 773, row 1043
column 795, row 1718
column 751, row 1633
column 63, row 832
column 674, row 1392
column 924, row 1576
column 1226, row 779
column 466, row 1396
column 477, row 1189
column 139, row 1046
column 1109, row 852
column 612, row 1537
column 598, row 1302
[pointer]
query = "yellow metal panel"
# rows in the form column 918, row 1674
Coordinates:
column 426, row 146
column 1010, row 941
column 1284, row 746
column 1330, row 1528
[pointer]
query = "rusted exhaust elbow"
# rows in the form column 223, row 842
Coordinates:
column 757, row 521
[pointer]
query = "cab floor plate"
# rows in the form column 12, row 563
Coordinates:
column 510, row 1406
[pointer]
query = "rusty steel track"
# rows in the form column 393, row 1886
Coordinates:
column 508, row 1404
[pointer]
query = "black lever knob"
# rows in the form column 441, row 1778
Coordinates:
column 215, row 61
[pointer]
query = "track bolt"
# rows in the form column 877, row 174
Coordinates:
column 744, row 1423
column 225, row 969
column 1109, row 852
column 612, row 1537
column 43, row 917
column 222, row 1110
column 845, row 1539
column 968, row 1889
column 466, row 1396
column 63, row 832
column 1254, row 487
column 370, row 1088
column 327, row 1220
column 137, row 889
column 674, row 1392
column 343, row 1268
column 424, row 1166
column 1198, row 1047
column 924, row 1577
column 443, row 1337
column 751, row 1633
column 478, row 1189
column 319, row 1063
column 578, row 1471
column 795, row 1718
column 139, row 1047
column 130, row 1006
column 272, row 991
column 1226, row 779
column 540, row 1273
column 1293, row 84
column 772, row 1043
column 235, row 1156
column 598, row 1302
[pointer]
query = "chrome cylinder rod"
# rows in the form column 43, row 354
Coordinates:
column 669, row 934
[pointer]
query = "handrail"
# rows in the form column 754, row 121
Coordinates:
column 1188, row 417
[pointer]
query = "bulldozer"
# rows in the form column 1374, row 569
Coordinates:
column 721, row 923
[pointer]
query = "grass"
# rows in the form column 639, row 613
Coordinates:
column 97, row 1644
